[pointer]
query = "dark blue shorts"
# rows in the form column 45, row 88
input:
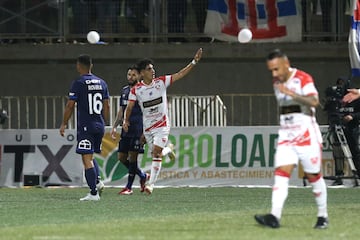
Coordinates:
column 88, row 143
column 129, row 144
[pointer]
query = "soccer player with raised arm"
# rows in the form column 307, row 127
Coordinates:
column 152, row 98
column 91, row 95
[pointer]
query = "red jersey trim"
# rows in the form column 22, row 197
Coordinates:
column 279, row 172
column 316, row 178
column 303, row 140
column 160, row 123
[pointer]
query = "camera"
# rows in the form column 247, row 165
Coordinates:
column 3, row 116
column 333, row 104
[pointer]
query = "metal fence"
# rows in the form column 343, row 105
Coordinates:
column 251, row 109
column 144, row 20
column 46, row 112
column 257, row 110
column 186, row 111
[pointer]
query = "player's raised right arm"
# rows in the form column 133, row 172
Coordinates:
column 183, row 72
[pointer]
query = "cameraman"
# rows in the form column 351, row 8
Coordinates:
column 346, row 115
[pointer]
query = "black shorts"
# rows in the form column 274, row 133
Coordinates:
column 129, row 144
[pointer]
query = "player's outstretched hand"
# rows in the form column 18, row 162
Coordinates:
column 198, row 55
column 352, row 95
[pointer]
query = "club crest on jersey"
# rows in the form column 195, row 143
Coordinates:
column 84, row 144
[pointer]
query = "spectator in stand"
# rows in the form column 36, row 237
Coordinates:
column 200, row 9
column 136, row 11
column 81, row 15
column 176, row 18
column 107, row 13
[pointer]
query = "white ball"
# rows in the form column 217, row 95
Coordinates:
column 93, row 37
column 245, row 35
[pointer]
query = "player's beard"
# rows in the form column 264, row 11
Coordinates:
column 131, row 84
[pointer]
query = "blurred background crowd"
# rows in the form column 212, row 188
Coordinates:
column 51, row 21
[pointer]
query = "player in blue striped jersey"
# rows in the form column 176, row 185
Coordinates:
column 90, row 94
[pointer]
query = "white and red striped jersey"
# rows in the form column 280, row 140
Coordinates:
column 302, row 84
column 153, row 101
column 295, row 127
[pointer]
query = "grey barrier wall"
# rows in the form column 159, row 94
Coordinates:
column 225, row 69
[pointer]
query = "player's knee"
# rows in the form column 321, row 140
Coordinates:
column 123, row 161
column 157, row 155
column 88, row 164
column 313, row 177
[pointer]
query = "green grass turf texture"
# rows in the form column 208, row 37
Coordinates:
column 171, row 213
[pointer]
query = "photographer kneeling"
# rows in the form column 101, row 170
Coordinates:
column 346, row 115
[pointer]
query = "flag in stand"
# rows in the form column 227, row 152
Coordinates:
column 354, row 44
column 268, row 20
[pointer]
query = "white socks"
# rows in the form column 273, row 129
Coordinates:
column 320, row 194
column 155, row 170
column 279, row 195
column 165, row 151
column 156, row 165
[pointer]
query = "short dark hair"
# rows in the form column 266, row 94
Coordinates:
column 144, row 62
column 276, row 53
column 134, row 67
column 85, row 60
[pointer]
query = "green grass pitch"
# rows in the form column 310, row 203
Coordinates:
column 171, row 213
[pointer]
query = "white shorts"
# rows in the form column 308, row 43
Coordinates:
column 309, row 156
column 157, row 136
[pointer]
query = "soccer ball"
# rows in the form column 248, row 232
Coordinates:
column 93, row 37
column 245, row 35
